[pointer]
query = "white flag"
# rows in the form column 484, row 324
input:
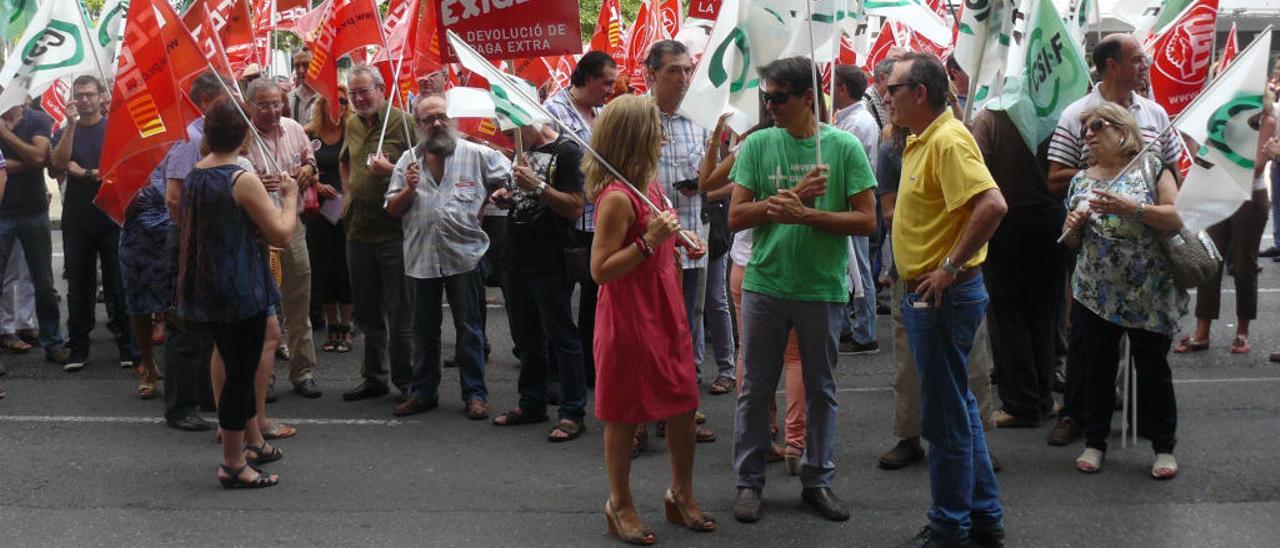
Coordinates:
column 746, row 36
column 982, row 46
column 815, row 26
column 1209, row 194
column 914, row 14
column 1219, row 121
column 110, row 31
column 56, row 44
column 1219, row 118
column 512, row 98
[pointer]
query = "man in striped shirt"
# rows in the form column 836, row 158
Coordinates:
column 1123, row 66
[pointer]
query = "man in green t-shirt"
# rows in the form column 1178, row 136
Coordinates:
column 802, row 212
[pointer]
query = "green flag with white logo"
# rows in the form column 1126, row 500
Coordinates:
column 56, row 44
column 1046, row 73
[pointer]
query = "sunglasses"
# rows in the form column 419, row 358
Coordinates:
column 892, row 88
column 1098, row 124
column 777, row 97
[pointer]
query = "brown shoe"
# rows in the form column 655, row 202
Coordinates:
column 902, row 455
column 1065, row 431
column 1274, row 357
column 413, row 406
column 477, row 410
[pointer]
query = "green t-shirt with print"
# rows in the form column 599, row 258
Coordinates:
column 792, row 261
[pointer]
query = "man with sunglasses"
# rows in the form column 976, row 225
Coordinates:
column 802, row 215
column 87, row 234
column 285, row 148
column 437, row 192
column 1123, row 66
column 947, row 208
column 302, row 98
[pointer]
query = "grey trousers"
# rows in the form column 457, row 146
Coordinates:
column 381, row 306
column 766, row 323
column 906, row 382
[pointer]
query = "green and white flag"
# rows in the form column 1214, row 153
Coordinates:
column 519, row 109
column 1219, row 121
column 57, row 44
column 914, row 14
column 110, row 30
column 1046, row 73
column 815, row 29
column 16, row 15
column 1077, row 15
column 982, row 46
column 747, row 34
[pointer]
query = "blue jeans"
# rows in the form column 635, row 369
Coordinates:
column 424, row 299
column 717, row 320
column 35, row 234
column 864, row 307
column 540, row 312
column 965, row 494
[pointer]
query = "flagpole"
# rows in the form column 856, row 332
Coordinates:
column 395, row 93
column 567, row 132
column 817, row 87
column 257, row 137
column 84, row 16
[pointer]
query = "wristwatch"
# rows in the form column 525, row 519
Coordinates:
column 951, row 268
column 542, row 187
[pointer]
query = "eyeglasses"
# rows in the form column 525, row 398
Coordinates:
column 85, row 96
column 363, row 91
column 297, row 66
column 274, row 105
column 1097, row 125
column 432, row 120
column 777, row 97
column 894, row 87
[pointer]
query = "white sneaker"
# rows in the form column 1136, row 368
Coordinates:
column 73, row 366
column 1165, row 466
column 1090, row 460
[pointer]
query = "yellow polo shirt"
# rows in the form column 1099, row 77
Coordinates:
column 942, row 170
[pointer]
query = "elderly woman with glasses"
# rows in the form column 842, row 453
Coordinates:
column 1122, row 284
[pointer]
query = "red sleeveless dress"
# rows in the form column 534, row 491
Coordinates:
column 644, row 357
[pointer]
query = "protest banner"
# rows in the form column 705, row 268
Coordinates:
column 511, row 29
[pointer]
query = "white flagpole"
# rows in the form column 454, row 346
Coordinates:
column 817, row 87
column 395, row 94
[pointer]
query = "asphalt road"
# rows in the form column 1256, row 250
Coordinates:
column 85, row 463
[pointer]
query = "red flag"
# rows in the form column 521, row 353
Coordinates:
column 148, row 111
column 535, row 70
column 238, row 36
column 608, row 34
column 54, row 102
column 399, row 26
column 349, row 24
column 1229, row 51
column 487, row 130
column 1182, row 55
column 303, row 25
column 642, row 35
column 198, row 20
column 669, row 15
column 561, row 73
column 427, row 43
column 880, row 50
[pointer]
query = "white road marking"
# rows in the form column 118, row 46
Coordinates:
column 1175, row 381
column 158, row 420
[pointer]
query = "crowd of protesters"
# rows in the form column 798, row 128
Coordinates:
column 277, row 218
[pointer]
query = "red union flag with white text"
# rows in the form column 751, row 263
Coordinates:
column 350, row 24
column 148, row 111
column 1181, row 56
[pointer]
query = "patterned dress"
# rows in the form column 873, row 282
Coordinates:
column 1121, row 273
column 145, row 266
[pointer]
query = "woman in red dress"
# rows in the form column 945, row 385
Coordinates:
column 642, row 344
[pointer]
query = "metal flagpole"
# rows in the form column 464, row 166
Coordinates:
column 395, row 94
column 257, row 137
column 88, row 26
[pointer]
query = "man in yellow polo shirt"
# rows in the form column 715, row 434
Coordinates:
column 948, row 206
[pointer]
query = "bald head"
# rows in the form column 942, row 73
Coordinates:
column 1120, row 61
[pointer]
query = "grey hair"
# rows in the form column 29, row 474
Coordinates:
column 367, row 71
column 884, row 68
column 259, row 85
column 208, row 85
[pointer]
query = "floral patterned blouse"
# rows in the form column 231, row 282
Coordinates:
column 1121, row 274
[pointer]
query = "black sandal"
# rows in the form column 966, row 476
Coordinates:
column 234, row 481
column 341, row 344
column 570, row 428
column 519, row 416
column 261, row 455
column 331, row 343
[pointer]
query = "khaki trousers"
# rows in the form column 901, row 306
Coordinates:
column 295, row 296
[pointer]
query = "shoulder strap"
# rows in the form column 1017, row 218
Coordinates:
column 236, row 176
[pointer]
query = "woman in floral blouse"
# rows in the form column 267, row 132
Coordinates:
column 1122, row 284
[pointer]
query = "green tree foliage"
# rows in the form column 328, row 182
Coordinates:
column 589, row 12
